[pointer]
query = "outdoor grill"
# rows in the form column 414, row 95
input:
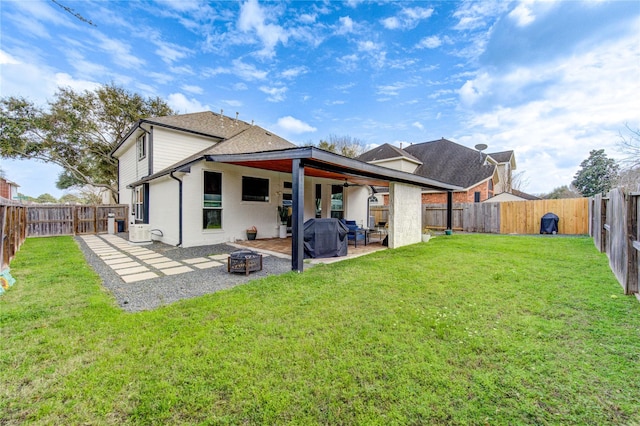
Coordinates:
column 244, row 261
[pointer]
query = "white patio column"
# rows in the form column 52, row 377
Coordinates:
column 405, row 214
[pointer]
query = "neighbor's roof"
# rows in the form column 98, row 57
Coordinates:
column 386, row 152
column 442, row 160
column 525, row 195
column 502, row 157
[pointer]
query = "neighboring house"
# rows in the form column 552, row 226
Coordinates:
column 205, row 178
column 514, row 195
column 481, row 176
column 8, row 189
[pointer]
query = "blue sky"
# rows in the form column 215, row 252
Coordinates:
column 550, row 80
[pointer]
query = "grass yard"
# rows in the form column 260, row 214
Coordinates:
column 467, row 329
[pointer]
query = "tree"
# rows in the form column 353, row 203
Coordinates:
column 629, row 146
column 629, row 180
column 343, row 145
column 597, row 174
column 46, row 198
column 70, row 199
column 562, row 192
column 77, row 131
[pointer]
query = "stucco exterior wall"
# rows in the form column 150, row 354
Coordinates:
column 164, row 208
column 356, row 208
column 405, row 215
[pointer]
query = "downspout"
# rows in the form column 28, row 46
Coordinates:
column 179, row 208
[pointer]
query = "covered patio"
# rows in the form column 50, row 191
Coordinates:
column 404, row 188
column 282, row 247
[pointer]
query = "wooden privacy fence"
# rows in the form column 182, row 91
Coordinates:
column 613, row 224
column 50, row 220
column 13, row 224
column 523, row 217
column 513, row 217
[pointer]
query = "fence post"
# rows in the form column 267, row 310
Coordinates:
column 603, row 222
column 3, row 218
column 632, row 237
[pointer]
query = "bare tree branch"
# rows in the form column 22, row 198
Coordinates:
column 74, row 13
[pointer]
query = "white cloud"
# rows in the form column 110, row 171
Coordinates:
column 417, row 125
column 276, row 94
column 407, row 19
column 252, row 18
column 18, row 75
column 391, row 23
column 192, row 89
column 295, row 126
column 119, row 51
column 348, row 63
column 6, row 59
column 478, row 14
column 430, row 42
column 472, row 90
column 308, row 18
column 232, row 102
column 368, row 46
column 522, row 15
column 346, row 25
column 294, row 72
column 170, row 53
column 180, row 103
column 579, row 104
column 184, row 70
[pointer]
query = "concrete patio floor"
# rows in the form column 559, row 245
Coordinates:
column 281, row 247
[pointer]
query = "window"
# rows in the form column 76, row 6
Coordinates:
column 140, row 203
column 476, row 197
column 337, row 202
column 318, row 200
column 255, row 189
column 141, row 146
column 212, row 201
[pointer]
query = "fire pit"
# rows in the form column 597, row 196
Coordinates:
column 244, row 261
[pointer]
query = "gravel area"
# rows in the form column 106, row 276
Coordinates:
column 152, row 293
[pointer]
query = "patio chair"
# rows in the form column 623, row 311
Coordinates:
column 355, row 233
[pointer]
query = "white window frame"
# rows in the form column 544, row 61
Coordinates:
column 138, row 203
column 204, row 207
column 141, row 146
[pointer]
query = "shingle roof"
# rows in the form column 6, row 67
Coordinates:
column 502, row 157
column 385, row 152
column 207, row 122
column 525, row 195
column 243, row 137
column 449, row 162
column 253, row 139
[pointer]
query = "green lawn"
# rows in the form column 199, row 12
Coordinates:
column 466, row 329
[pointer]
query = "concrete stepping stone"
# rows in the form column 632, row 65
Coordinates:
column 175, row 271
column 207, row 265
column 139, row 277
column 134, row 270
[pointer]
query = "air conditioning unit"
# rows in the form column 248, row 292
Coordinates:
column 140, row 233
